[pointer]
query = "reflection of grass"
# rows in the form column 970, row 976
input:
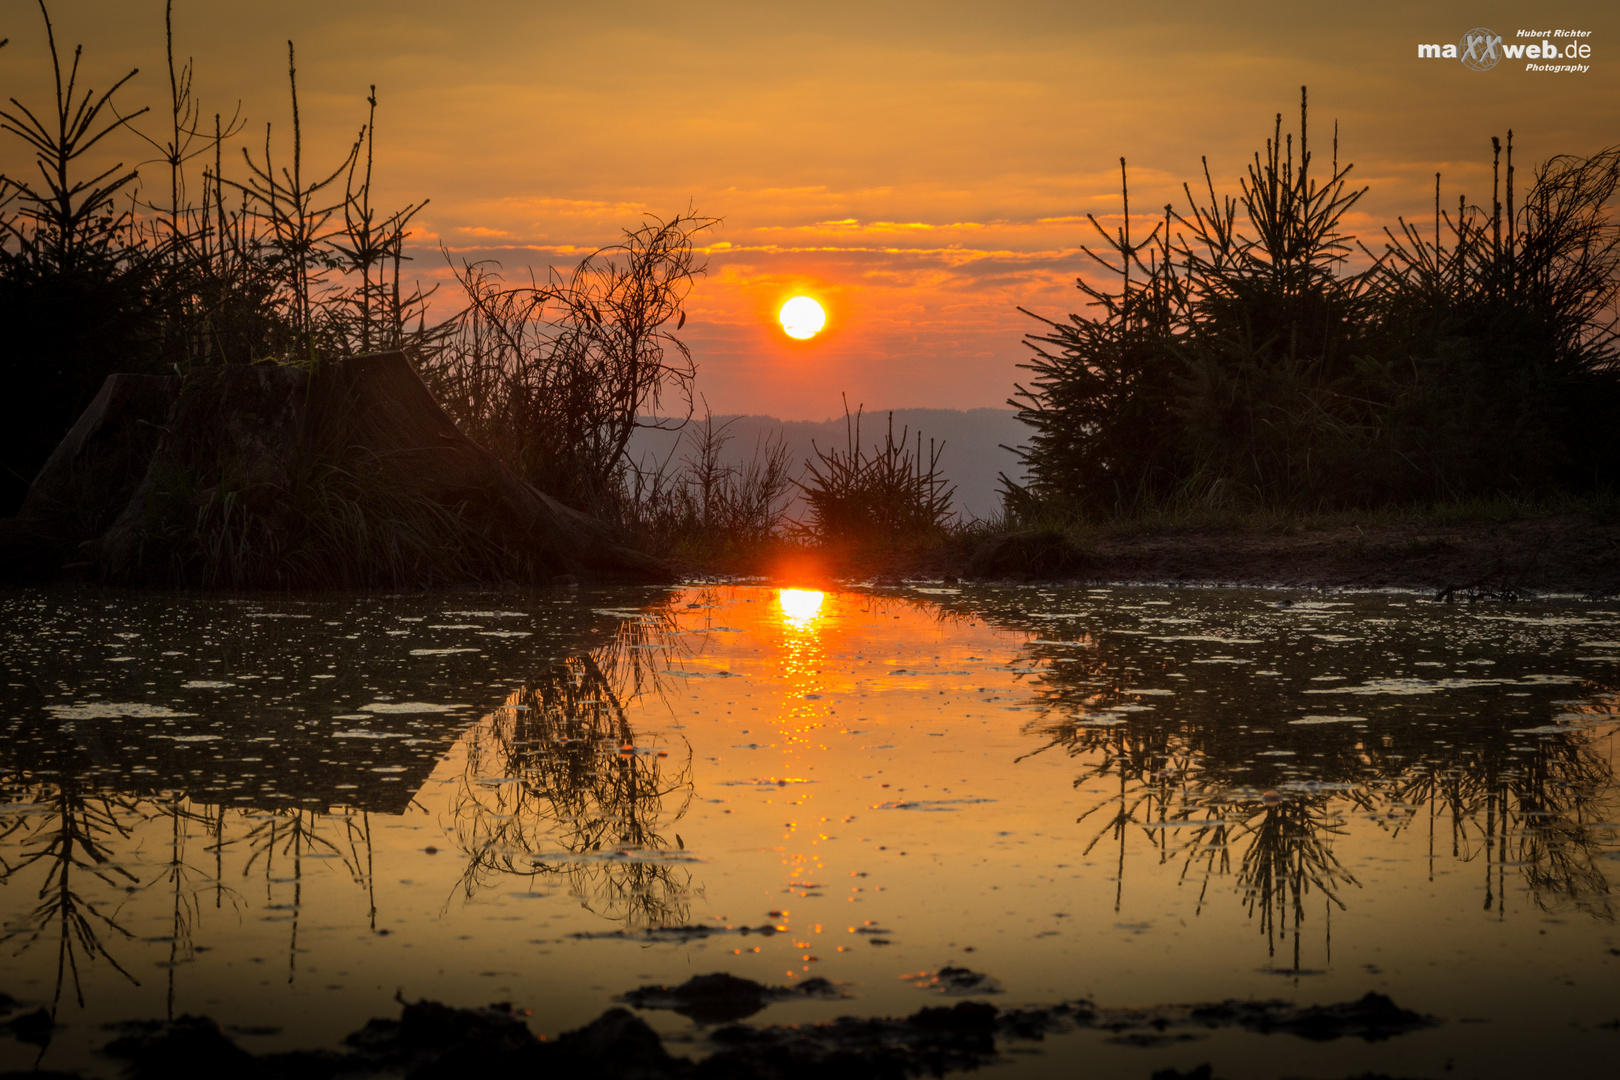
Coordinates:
column 1547, row 812
column 1289, row 843
column 556, row 785
column 1290, row 853
column 73, row 835
column 180, row 874
column 296, row 834
column 83, row 840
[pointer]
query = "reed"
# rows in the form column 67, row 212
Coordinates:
column 704, row 509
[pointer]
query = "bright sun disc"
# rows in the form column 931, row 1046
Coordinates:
column 802, row 317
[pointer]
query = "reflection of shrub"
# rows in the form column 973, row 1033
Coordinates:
column 1189, row 765
column 74, row 838
column 878, row 496
column 1478, row 357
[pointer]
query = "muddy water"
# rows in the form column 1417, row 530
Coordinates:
column 281, row 813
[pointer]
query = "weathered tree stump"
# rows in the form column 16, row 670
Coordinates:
column 270, row 476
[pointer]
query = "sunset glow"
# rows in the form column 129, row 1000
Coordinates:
column 937, row 173
column 802, row 318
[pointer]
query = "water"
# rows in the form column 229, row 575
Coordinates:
column 282, row 812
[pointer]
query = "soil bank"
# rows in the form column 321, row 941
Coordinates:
column 1565, row 554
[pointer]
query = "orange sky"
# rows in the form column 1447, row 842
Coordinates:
column 924, row 168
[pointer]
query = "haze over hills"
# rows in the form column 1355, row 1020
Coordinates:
column 973, row 457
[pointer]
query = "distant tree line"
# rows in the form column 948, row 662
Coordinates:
column 1249, row 352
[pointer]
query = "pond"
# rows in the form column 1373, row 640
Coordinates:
column 281, row 813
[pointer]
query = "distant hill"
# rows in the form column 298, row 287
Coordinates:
column 972, row 459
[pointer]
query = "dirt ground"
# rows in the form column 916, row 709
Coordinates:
column 1571, row 554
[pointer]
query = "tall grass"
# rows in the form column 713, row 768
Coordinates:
column 703, row 507
column 329, row 514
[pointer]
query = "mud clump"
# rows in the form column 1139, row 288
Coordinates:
column 929, row 1042
column 183, row 1049
column 721, row 999
column 1374, row 1017
column 34, row 1028
column 617, row 1043
column 1200, row 1072
column 429, row 1035
column 679, row 933
column 431, row 1041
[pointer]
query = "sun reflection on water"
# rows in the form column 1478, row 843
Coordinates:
column 800, row 607
column 801, row 721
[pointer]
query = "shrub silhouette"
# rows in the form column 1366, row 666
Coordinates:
column 876, row 497
column 1239, row 358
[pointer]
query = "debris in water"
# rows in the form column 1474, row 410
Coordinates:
column 955, row 981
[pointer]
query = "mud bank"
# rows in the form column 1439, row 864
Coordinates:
column 1570, row 554
column 431, row 1040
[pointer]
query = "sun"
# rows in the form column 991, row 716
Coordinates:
column 802, row 317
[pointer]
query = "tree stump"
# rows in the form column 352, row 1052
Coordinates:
column 270, row 476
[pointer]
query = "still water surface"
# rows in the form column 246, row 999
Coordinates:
column 281, row 812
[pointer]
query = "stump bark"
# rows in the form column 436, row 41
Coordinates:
column 270, row 476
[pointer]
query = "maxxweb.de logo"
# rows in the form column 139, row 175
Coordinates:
column 1481, row 49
